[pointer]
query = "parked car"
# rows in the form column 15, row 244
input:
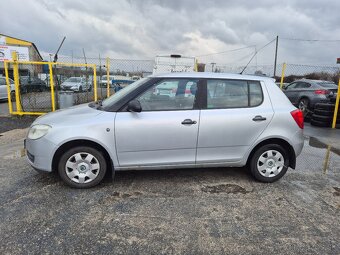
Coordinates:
column 77, row 84
column 306, row 93
column 228, row 121
column 103, row 80
column 3, row 89
column 32, row 84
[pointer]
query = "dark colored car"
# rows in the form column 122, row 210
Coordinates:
column 32, row 84
column 305, row 93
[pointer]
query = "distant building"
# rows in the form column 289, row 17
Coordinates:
column 26, row 51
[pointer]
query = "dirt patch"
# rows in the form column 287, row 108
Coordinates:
column 224, row 188
column 15, row 122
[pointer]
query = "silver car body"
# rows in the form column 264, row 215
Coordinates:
column 3, row 88
column 156, row 139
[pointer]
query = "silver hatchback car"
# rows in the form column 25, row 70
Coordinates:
column 200, row 120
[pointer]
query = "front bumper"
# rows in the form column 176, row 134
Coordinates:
column 39, row 153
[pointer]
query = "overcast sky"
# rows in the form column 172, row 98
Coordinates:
column 145, row 28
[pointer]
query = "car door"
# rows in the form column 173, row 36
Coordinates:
column 165, row 131
column 235, row 114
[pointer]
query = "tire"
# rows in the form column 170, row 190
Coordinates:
column 82, row 167
column 326, row 119
column 323, row 112
column 274, row 159
column 303, row 105
column 80, row 89
column 89, row 89
column 320, row 123
column 324, row 106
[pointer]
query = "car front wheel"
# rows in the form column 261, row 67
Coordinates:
column 82, row 167
column 269, row 163
column 304, row 105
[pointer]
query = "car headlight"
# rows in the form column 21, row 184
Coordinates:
column 38, row 131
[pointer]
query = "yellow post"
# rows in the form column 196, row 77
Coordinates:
column 16, row 82
column 95, row 82
column 196, row 65
column 10, row 108
column 282, row 74
column 107, row 77
column 52, row 87
column 336, row 106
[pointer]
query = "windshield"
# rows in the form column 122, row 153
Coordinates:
column 74, row 79
column 327, row 84
column 121, row 93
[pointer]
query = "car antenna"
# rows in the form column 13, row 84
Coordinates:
column 249, row 62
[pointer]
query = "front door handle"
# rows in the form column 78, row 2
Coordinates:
column 188, row 122
column 259, row 118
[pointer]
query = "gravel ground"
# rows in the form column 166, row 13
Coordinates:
column 199, row 211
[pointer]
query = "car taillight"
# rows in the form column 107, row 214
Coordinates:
column 298, row 117
column 321, row 92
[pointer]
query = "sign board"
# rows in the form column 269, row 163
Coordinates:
column 6, row 53
column 338, row 60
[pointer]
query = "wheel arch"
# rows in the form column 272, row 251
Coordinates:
column 280, row 141
column 80, row 142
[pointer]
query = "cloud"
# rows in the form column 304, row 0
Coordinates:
column 143, row 29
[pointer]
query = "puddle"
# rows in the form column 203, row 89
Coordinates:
column 224, row 188
column 316, row 143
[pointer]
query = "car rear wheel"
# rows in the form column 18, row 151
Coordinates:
column 82, row 167
column 269, row 163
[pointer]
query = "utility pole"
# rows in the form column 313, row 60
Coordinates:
column 277, row 43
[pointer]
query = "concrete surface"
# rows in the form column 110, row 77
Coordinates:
column 201, row 211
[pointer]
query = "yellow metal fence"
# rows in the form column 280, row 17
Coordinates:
column 38, row 85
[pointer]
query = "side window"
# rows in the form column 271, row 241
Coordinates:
column 233, row 94
column 170, row 94
column 291, row 86
column 304, row 85
column 255, row 93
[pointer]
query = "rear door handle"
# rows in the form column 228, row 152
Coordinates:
column 259, row 118
column 188, row 122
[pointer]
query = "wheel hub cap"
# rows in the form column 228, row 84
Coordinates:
column 270, row 163
column 82, row 167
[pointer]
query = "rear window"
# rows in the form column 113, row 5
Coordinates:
column 233, row 94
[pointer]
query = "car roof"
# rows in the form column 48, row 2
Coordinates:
column 212, row 76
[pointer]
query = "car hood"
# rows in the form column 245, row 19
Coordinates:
column 77, row 114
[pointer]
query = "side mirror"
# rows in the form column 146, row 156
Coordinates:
column 134, row 106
